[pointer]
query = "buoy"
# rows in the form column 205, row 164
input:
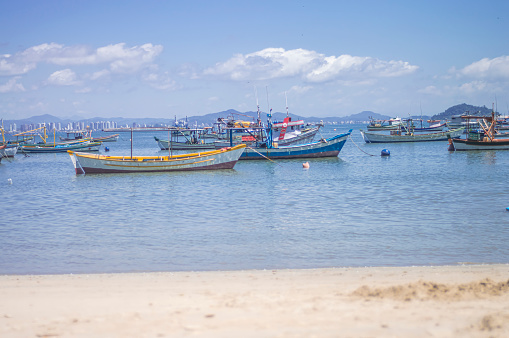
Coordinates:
column 106, row 149
column 305, row 165
column 386, row 152
column 9, row 181
column 507, row 208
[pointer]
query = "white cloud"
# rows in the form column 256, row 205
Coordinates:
column 120, row 58
column 160, row 81
column 12, row 86
column 495, row 69
column 100, row 74
column 10, row 66
column 272, row 63
column 300, row 89
column 473, row 87
column 65, row 77
column 83, row 90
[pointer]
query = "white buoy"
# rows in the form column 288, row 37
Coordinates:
column 305, row 165
column 9, row 181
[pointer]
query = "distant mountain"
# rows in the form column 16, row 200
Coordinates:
column 462, row 109
column 209, row 119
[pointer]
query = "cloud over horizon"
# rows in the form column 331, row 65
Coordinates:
column 274, row 63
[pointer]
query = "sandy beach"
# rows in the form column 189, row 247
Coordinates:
column 445, row 301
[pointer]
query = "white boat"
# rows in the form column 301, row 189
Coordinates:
column 85, row 163
column 8, row 150
column 398, row 136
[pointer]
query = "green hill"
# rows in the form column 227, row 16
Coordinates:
column 462, row 109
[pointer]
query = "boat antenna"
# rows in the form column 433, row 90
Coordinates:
column 286, row 99
column 257, row 106
column 269, row 121
column 131, row 142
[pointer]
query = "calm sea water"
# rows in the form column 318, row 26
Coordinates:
column 422, row 205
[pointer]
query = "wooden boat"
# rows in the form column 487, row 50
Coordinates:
column 398, row 136
column 60, row 148
column 484, row 139
column 324, row 148
column 215, row 159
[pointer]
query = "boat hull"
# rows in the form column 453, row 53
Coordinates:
column 498, row 144
column 385, row 138
column 304, row 137
column 164, row 145
column 9, row 151
column 324, row 148
column 94, row 146
column 216, row 159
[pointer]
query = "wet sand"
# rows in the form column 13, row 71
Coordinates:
column 444, row 301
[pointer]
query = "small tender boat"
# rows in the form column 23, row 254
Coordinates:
column 215, row 159
column 398, row 136
column 485, row 139
column 324, row 148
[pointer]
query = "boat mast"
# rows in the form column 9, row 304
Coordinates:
column 269, row 121
column 258, row 108
column 286, row 99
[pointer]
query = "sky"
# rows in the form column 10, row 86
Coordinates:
column 161, row 59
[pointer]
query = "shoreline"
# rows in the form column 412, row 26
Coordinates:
column 418, row 301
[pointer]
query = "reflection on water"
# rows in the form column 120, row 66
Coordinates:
column 422, row 205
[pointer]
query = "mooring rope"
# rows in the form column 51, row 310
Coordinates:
column 264, row 156
column 358, row 146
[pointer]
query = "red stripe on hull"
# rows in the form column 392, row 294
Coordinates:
column 227, row 165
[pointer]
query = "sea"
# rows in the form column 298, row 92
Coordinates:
column 422, row 205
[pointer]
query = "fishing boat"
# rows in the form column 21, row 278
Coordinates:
column 401, row 136
column 60, row 148
column 324, row 148
column 87, row 135
column 185, row 139
column 378, row 125
column 225, row 158
column 291, row 132
column 432, row 127
column 482, row 139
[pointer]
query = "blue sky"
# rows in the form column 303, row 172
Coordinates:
column 331, row 58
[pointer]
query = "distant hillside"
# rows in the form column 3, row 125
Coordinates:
column 209, row 119
column 462, row 109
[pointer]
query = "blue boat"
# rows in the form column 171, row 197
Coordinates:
column 270, row 150
column 324, row 148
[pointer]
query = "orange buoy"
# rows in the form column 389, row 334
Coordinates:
column 305, row 165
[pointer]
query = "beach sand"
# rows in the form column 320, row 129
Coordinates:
column 443, row 301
